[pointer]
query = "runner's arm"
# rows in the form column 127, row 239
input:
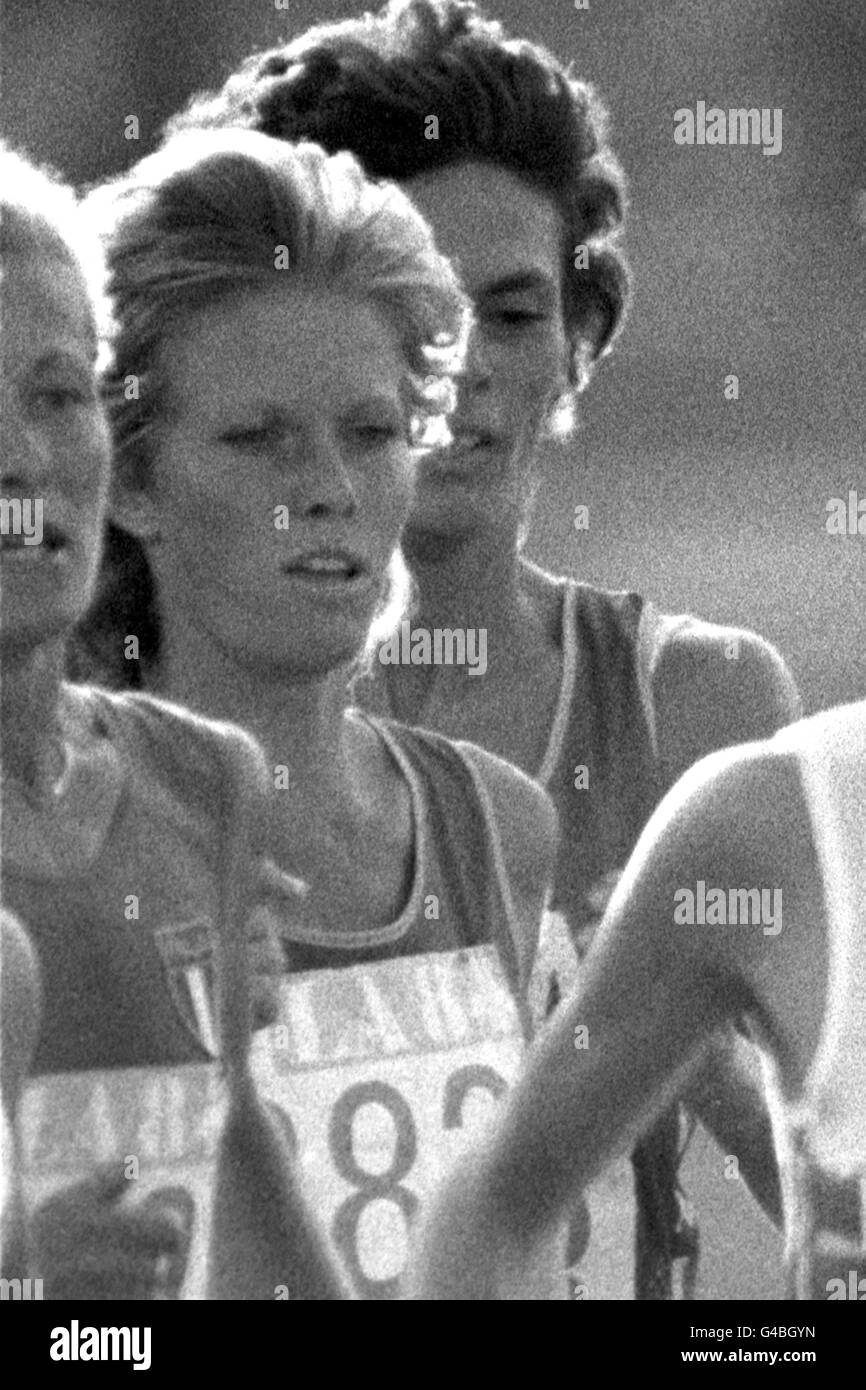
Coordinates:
column 650, row 1002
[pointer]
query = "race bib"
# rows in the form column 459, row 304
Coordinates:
column 160, row 1125
column 385, row 1074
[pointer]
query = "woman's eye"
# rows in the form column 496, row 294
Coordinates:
column 518, row 317
column 256, row 438
column 377, row 434
column 62, row 397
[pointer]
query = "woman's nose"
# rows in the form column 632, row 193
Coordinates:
column 323, row 483
column 477, row 369
column 25, row 452
column 25, row 467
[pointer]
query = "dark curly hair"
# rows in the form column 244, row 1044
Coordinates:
column 367, row 84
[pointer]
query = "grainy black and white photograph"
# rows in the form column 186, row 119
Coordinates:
column 433, row 663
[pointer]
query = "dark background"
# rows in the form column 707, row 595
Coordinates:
column 745, row 264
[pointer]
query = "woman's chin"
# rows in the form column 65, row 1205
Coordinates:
column 435, row 532
column 314, row 658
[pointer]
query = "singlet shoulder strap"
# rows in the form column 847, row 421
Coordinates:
column 654, row 630
column 459, row 827
column 523, row 835
column 566, row 689
column 615, row 637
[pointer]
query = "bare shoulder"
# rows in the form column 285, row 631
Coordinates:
column 715, row 686
column 216, row 754
column 738, row 822
column 747, row 801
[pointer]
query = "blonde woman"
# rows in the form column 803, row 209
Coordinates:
column 284, row 343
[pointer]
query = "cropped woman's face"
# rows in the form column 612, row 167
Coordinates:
column 54, row 451
column 505, row 242
column 281, row 474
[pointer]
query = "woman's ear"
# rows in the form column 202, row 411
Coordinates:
column 580, row 362
column 585, row 339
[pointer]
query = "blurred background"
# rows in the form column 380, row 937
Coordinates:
column 745, row 263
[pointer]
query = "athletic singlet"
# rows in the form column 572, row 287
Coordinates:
column 121, row 905
column 604, row 722
column 824, row 1129
column 602, row 772
column 133, row 914
column 394, row 1042
column 461, row 892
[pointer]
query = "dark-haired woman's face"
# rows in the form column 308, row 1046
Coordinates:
column 505, row 241
column 54, row 451
column 282, row 474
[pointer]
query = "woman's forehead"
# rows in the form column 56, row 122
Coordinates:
column 284, row 340
column 491, row 222
column 32, row 235
column 276, row 311
column 44, row 294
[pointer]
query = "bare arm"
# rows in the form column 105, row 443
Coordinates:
column 714, row 687
column 651, row 999
column 266, row 1242
column 20, row 1014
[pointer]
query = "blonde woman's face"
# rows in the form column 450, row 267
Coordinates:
column 54, row 450
column 282, row 473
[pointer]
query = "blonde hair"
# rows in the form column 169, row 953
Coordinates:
column 40, row 215
column 208, row 213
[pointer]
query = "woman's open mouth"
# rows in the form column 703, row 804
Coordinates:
column 339, row 571
column 469, row 451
